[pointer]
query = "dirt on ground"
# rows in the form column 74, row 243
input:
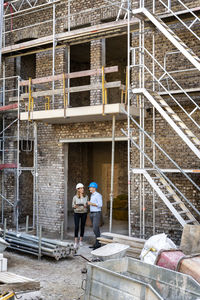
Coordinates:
column 58, row 279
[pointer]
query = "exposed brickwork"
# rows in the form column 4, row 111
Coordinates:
column 51, row 151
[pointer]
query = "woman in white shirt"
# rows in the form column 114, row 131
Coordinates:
column 79, row 204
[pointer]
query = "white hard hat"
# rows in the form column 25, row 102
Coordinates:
column 79, row 185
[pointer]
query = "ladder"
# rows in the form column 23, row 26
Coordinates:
column 1, row 28
column 172, row 118
column 122, row 9
column 143, row 13
column 170, row 198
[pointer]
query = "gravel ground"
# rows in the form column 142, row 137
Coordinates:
column 58, row 279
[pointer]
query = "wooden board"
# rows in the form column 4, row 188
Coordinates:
column 124, row 237
column 12, row 282
column 75, row 89
column 85, row 73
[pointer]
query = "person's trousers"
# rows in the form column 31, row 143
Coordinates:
column 77, row 218
column 95, row 219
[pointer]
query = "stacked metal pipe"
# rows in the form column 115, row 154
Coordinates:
column 34, row 245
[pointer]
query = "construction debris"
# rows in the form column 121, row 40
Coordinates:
column 18, row 284
column 136, row 244
column 41, row 247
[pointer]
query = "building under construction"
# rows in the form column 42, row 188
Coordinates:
column 104, row 91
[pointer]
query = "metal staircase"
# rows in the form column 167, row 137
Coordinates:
column 172, row 118
column 148, row 81
column 122, row 9
column 170, row 198
column 143, row 13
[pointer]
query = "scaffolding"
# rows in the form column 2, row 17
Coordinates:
column 11, row 141
column 142, row 91
column 136, row 91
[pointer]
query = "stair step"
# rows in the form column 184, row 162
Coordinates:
column 169, row 194
column 182, row 125
column 196, row 140
column 164, row 104
column 183, row 212
column 189, row 221
column 189, row 133
column 169, row 110
column 176, row 203
column 176, row 118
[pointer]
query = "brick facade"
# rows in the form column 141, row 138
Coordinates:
column 51, row 151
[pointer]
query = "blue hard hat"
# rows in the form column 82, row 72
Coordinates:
column 93, row 184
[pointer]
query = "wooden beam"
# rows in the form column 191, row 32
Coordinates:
column 75, row 89
column 85, row 73
column 87, row 33
column 8, row 107
column 8, row 166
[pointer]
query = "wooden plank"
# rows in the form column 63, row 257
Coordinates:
column 125, row 237
column 70, row 75
column 20, row 287
column 75, row 89
column 13, row 282
column 8, row 107
column 88, row 32
column 133, row 244
column 8, row 166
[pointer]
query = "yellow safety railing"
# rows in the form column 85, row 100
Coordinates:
column 125, row 92
column 65, row 96
column 104, row 91
column 47, row 104
column 7, row 296
column 30, row 99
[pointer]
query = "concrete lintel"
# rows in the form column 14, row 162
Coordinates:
column 80, row 114
column 94, row 140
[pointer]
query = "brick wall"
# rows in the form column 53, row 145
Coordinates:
column 51, row 165
column 50, row 151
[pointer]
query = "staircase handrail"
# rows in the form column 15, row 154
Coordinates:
column 161, row 172
column 183, row 23
column 167, row 91
column 162, row 150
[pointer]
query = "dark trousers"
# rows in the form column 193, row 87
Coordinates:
column 77, row 218
column 95, row 219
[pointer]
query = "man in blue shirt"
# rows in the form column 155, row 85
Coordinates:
column 95, row 204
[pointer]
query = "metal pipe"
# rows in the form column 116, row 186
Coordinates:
column 1, row 28
column 68, row 15
column 140, row 117
column 154, row 128
column 61, row 230
column 8, row 126
column 39, row 242
column 3, row 144
column 68, row 72
column 54, row 47
column 4, row 228
column 18, row 167
column 27, row 222
column 163, row 173
column 112, row 172
column 128, row 118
